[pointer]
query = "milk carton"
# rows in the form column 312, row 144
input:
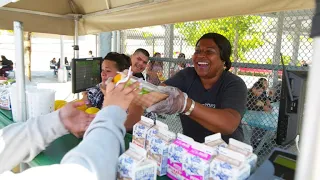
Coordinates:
column 229, row 165
column 196, row 163
column 140, row 130
column 244, row 149
column 158, row 149
column 133, row 165
column 215, row 141
column 177, row 151
column 153, row 131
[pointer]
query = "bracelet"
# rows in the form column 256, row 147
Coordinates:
column 191, row 108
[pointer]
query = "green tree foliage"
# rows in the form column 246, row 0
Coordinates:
column 242, row 32
column 286, row 60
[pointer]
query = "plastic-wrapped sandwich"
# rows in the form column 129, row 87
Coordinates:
column 146, row 87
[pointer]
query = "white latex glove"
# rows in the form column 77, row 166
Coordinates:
column 175, row 103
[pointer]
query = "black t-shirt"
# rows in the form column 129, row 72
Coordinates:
column 138, row 75
column 228, row 92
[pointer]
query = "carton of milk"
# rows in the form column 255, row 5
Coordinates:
column 140, row 130
column 229, row 165
column 158, row 149
column 244, row 149
column 215, row 141
column 177, row 151
column 196, row 163
column 133, row 165
column 153, row 131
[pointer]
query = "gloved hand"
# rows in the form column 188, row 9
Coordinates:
column 175, row 103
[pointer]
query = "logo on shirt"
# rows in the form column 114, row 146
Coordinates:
column 209, row 105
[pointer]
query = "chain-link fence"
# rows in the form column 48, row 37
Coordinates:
column 258, row 41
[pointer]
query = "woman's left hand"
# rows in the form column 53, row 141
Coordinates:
column 175, row 103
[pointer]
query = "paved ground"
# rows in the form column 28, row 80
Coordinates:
column 46, row 79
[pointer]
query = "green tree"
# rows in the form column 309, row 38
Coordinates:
column 286, row 60
column 241, row 31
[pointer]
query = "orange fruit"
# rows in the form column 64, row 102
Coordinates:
column 117, row 78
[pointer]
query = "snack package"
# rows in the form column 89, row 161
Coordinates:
column 140, row 130
column 229, row 165
column 196, row 163
column 158, row 149
column 5, row 98
column 215, row 141
column 153, row 131
column 146, row 87
column 133, row 165
column 244, row 149
column 177, row 151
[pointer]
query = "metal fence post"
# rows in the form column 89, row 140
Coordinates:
column 277, row 47
column 168, row 47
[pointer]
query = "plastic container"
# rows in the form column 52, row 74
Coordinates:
column 40, row 102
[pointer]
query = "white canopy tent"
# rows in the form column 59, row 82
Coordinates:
column 80, row 17
column 57, row 16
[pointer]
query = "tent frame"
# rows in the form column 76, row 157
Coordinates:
column 308, row 163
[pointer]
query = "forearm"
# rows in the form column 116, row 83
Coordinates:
column 134, row 115
column 224, row 121
column 101, row 145
column 23, row 141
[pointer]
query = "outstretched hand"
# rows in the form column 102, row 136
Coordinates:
column 75, row 120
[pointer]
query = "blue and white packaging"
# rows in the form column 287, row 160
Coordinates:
column 196, row 163
column 133, row 165
column 140, row 130
column 158, row 148
column 229, row 165
column 246, row 150
column 153, row 131
column 216, row 142
column 177, row 151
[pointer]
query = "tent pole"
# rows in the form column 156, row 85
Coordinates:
column 62, row 69
column 118, row 42
column 76, row 37
column 114, row 41
column 20, row 73
column 76, row 41
column 309, row 157
column 20, row 76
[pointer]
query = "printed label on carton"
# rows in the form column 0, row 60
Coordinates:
column 215, row 141
column 229, row 165
column 158, row 149
column 133, row 165
column 140, row 130
column 153, row 131
column 246, row 150
column 197, row 162
column 177, row 150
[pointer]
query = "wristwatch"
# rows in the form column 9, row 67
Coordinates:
column 193, row 104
